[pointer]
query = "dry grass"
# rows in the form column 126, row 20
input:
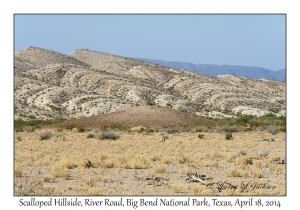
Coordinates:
column 177, row 188
column 119, row 167
column 18, row 171
column 160, row 169
column 234, row 173
column 60, row 171
column 243, row 160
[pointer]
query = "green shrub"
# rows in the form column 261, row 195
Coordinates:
column 228, row 136
column 173, row 130
column 243, row 120
column 32, row 122
column 282, row 129
column 200, row 136
column 149, row 130
column 242, row 153
column 150, row 103
column 71, row 126
column 81, row 129
column 232, row 129
column 90, row 135
column 141, row 130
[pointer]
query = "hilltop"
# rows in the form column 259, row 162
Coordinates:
column 87, row 83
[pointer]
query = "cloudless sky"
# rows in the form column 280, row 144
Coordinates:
column 246, row 40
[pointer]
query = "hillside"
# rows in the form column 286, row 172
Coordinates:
column 33, row 57
column 215, row 70
column 141, row 115
column 87, row 83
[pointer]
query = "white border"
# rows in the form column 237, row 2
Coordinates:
column 8, row 8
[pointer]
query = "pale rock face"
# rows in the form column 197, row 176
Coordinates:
column 87, row 83
column 214, row 114
column 249, row 111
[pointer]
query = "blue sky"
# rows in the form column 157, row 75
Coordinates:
column 247, row 40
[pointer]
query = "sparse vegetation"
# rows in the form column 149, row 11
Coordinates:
column 179, row 155
column 108, row 136
column 154, row 116
column 200, row 136
column 45, row 135
column 90, row 135
column 228, row 136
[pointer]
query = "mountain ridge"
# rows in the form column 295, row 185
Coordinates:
column 215, row 70
column 89, row 83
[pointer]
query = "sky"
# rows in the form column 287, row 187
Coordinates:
column 245, row 40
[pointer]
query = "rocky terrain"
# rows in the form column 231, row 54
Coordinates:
column 85, row 83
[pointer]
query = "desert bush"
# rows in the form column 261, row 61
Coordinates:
column 172, row 130
column 71, row 126
column 282, row 129
column 108, row 136
column 231, row 129
column 243, row 120
column 32, row 122
column 272, row 129
column 243, row 160
column 234, row 173
column 149, row 130
column 18, row 125
column 60, row 171
column 228, row 136
column 81, row 129
column 150, row 103
column 200, row 136
column 141, row 130
column 136, row 163
column 264, row 153
column 90, row 135
column 242, row 153
column 45, row 135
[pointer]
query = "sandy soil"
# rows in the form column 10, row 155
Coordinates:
column 142, row 164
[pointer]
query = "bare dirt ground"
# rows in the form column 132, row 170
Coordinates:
column 141, row 115
column 69, row 163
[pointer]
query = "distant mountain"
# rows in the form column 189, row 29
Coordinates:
column 215, row 70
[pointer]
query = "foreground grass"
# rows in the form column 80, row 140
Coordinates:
column 69, row 163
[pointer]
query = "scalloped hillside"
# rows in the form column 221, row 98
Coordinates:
column 88, row 83
column 33, row 57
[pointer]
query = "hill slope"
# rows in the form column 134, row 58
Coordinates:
column 88, row 83
column 33, row 57
column 141, row 115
